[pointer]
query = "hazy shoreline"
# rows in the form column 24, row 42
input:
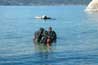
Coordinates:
column 50, row 5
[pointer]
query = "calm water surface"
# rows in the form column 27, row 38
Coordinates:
column 77, row 31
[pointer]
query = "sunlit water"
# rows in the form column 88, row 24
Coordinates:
column 77, row 36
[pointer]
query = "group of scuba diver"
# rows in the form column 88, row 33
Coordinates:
column 46, row 37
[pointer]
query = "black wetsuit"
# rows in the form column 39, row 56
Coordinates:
column 38, row 36
column 44, row 37
column 52, row 35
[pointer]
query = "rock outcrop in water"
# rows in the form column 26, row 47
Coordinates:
column 93, row 6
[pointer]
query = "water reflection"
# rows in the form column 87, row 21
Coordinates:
column 43, row 53
column 41, row 48
column 92, row 18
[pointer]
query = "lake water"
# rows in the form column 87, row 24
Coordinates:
column 77, row 36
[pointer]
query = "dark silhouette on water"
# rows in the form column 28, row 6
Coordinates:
column 44, row 17
column 45, row 37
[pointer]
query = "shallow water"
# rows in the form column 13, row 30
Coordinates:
column 77, row 36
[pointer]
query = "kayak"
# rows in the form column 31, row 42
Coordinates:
column 42, row 17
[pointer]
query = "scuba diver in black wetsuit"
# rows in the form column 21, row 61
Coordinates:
column 52, row 34
column 38, row 35
column 45, row 37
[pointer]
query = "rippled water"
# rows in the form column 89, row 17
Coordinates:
column 77, row 36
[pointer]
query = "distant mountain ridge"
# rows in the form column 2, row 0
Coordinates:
column 44, row 2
